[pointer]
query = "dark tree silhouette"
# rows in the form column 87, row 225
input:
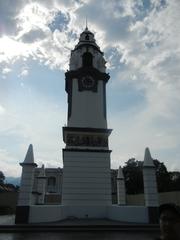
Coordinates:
column 133, row 174
column 163, row 177
column 2, row 177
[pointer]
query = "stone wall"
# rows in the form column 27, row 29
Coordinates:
column 165, row 197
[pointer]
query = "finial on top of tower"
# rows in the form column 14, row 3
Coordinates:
column 86, row 29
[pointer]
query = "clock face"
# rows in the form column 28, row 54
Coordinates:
column 88, row 82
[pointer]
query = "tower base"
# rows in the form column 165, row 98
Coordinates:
column 86, row 177
column 54, row 213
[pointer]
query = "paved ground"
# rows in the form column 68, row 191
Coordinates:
column 7, row 219
column 80, row 236
column 80, row 229
column 84, row 222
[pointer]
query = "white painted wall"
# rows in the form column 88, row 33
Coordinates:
column 52, row 213
column 45, row 213
column 136, row 214
column 87, row 108
column 86, row 178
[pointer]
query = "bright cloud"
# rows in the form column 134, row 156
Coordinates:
column 2, row 110
column 6, row 70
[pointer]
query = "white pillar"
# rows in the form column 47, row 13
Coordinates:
column 27, row 178
column 121, row 191
column 150, row 184
column 25, row 194
column 41, row 186
column 150, row 187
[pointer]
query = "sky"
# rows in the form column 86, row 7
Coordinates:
column 141, row 43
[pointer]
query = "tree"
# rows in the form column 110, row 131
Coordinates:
column 133, row 176
column 2, row 177
column 175, row 180
column 163, row 177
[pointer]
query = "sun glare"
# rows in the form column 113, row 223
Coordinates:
column 12, row 49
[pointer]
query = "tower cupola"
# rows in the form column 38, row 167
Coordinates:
column 87, row 53
column 87, row 39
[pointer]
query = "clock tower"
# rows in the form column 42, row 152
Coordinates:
column 86, row 157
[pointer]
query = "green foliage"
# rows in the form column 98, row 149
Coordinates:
column 133, row 174
column 162, row 176
column 175, row 180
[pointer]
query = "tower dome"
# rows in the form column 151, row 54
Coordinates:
column 87, row 49
column 87, row 39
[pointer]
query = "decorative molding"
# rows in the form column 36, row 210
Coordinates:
column 86, row 150
column 86, row 140
column 85, row 44
column 27, row 164
column 83, row 86
column 82, row 72
column 90, row 130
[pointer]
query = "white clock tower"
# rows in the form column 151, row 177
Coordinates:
column 86, row 157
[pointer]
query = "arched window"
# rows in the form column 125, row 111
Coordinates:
column 51, row 181
column 87, row 37
column 87, row 59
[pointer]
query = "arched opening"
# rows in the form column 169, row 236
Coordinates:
column 87, row 37
column 87, row 59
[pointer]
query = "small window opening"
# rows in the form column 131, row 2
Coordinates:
column 87, row 59
column 87, row 37
column 51, row 181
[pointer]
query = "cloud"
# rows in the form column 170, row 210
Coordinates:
column 24, row 72
column 44, row 33
column 9, row 164
column 2, row 110
column 35, row 121
column 8, row 12
column 6, row 70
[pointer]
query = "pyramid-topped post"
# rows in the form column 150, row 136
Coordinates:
column 26, row 185
column 121, row 191
column 41, row 185
column 150, row 186
column 29, row 158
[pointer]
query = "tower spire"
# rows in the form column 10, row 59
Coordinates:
column 86, row 24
